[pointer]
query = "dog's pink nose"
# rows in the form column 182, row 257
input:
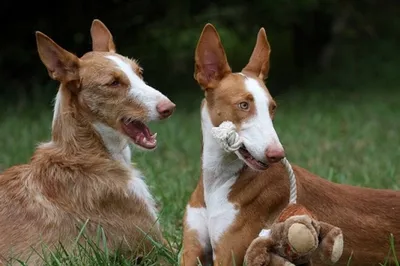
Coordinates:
column 165, row 108
column 274, row 153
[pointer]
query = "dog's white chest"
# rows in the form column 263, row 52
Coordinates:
column 220, row 212
column 139, row 188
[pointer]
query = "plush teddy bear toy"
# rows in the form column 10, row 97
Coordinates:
column 293, row 239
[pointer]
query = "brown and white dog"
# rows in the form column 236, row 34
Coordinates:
column 236, row 197
column 85, row 172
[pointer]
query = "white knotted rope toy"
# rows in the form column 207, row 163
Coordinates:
column 230, row 141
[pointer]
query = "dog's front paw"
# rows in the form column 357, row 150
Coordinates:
column 258, row 253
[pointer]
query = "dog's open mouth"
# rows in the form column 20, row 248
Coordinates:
column 139, row 133
column 250, row 160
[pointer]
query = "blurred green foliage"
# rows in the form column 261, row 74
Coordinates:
column 307, row 37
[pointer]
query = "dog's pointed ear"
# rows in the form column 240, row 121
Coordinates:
column 211, row 64
column 102, row 39
column 61, row 65
column 259, row 60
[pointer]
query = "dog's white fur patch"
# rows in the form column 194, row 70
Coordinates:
column 57, row 103
column 220, row 171
column 139, row 90
column 196, row 220
column 138, row 187
column 115, row 142
column 258, row 133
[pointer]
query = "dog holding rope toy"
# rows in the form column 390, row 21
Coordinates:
column 242, row 191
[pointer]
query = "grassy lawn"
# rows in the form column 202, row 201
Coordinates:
column 343, row 136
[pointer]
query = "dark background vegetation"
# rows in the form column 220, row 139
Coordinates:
column 341, row 42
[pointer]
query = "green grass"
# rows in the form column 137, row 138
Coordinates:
column 347, row 137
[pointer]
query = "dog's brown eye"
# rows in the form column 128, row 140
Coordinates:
column 114, row 83
column 244, row 105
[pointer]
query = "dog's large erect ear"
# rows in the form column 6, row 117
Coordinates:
column 102, row 40
column 62, row 65
column 259, row 60
column 211, row 64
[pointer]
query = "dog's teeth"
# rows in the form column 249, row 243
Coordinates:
column 150, row 142
column 154, row 135
column 137, row 139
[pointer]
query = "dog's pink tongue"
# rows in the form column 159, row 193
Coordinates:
column 141, row 135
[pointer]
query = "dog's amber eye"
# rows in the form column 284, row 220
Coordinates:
column 114, row 83
column 244, row 105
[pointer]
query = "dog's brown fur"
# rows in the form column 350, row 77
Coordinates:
column 366, row 216
column 74, row 178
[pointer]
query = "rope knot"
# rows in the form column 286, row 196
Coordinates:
column 227, row 136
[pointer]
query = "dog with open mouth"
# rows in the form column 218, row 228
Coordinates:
column 84, row 174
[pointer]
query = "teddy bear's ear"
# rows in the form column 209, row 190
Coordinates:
column 331, row 245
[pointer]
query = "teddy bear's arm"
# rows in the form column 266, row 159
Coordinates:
column 306, row 264
column 260, row 253
column 331, row 242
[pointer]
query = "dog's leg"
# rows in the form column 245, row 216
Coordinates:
column 231, row 248
column 196, row 242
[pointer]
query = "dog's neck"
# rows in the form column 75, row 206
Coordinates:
column 218, row 166
column 116, row 144
column 74, row 132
